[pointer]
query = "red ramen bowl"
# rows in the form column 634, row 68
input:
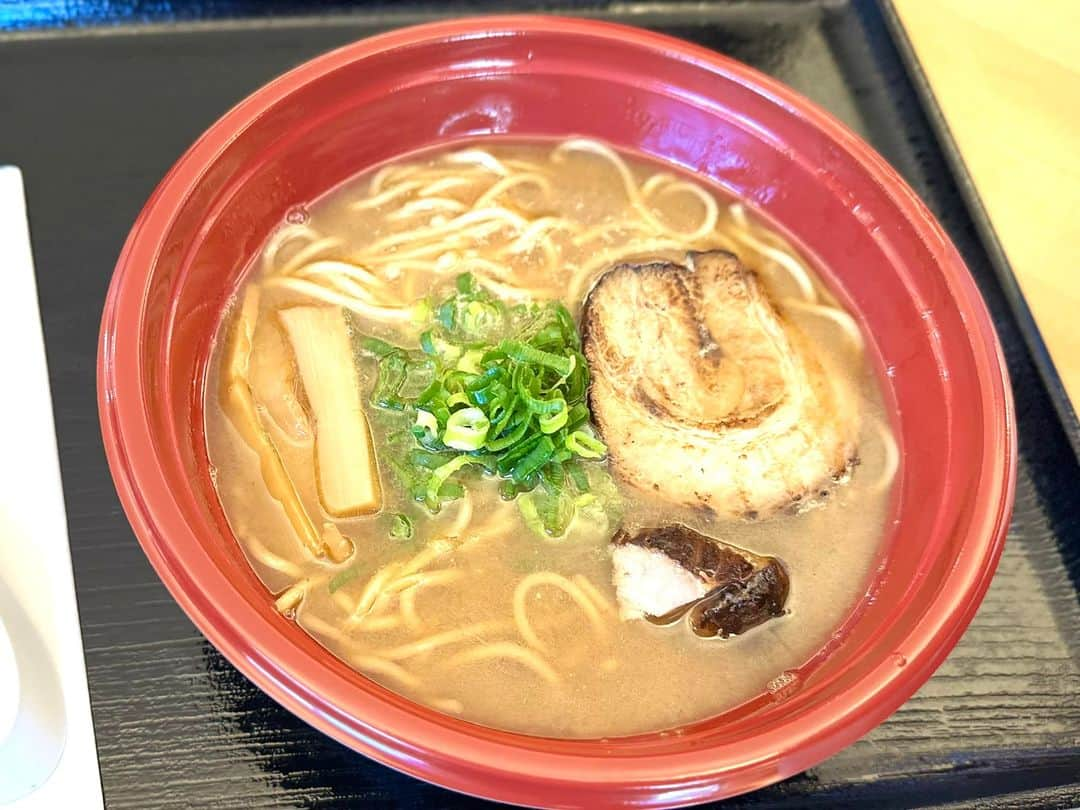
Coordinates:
column 876, row 244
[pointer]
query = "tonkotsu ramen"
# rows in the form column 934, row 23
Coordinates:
column 548, row 437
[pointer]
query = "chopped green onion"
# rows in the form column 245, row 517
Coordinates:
column 446, row 314
column 530, row 514
column 432, row 344
column 584, row 445
column 534, row 459
column 479, row 318
column 392, row 372
column 439, row 476
column 426, row 421
column 501, row 387
column 546, row 515
column 470, row 361
column 466, row 429
column 489, row 461
column 492, row 395
column 551, row 422
column 577, row 475
column 511, row 439
column 524, row 353
column 430, row 394
column 421, row 312
column 577, row 382
column 487, row 378
column 504, row 414
column 343, row 578
column 566, row 323
column 578, row 416
column 556, row 511
column 401, row 527
column 541, row 406
column 460, row 398
column 551, row 336
column 513, row 455
column 451, row 491
column 553, row 475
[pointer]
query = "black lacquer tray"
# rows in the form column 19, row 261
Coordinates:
column 96, row 102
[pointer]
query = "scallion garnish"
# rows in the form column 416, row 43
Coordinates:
column 584, row 445
column 426, row 421
column 498, row 388
column 401, row 527
column 466, row 429
column 550, row 422
column 439, row 476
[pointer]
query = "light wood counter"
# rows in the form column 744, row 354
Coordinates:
column 1006, row 75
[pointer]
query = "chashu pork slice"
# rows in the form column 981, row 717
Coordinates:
column 665, row 573
column 706, row 396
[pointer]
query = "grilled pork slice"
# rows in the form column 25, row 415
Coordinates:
column 705, row 395
column 662, row 574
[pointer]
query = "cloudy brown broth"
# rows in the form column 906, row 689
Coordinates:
column 451, row 643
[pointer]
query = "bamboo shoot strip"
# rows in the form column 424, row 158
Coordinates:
column 345, row 465
column 239, row 403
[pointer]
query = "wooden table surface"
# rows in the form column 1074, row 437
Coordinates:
column 1006, row 75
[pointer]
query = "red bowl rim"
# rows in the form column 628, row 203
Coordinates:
column 456, row 757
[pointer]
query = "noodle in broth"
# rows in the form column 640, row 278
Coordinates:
column 474, row 614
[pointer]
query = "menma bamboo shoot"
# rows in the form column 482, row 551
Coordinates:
column 239, row 404
column 345, row 465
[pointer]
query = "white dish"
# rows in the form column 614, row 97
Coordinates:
column 48, row 758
